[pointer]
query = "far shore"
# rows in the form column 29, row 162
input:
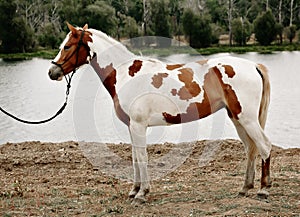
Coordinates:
column 51, row 53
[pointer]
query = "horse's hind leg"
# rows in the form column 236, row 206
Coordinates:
column 251, row 151
column 263, row 145
column 265, row 178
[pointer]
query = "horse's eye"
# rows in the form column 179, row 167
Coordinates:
column 66, row 47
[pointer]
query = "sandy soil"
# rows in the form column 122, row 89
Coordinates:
column 57, row 179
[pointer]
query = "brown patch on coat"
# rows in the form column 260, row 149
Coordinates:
column 157, row 79
column 230, row 99
column 217, row 95
column 265, row 173
column 202, row 62
column 174, row 66
column 191, row 88
column 229, row 71
column 108, row 77
column 135, row 67
column 174, row 92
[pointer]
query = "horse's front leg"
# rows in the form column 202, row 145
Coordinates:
column 136, row 175
column 140, row 161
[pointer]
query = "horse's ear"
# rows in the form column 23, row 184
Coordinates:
column 85, row 27
column 71, row 28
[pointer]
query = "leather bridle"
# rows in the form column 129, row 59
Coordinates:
column 75, row 52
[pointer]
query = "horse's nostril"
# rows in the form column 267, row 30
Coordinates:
column 52, row 75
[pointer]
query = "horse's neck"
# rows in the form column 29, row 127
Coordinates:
column 109, row 51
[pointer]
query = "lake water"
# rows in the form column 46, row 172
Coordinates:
column 27, row 91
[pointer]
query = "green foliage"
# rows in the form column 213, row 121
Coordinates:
column 49, row 36
column 176, row 11
column 241, row 30
column 291, row 32
column 279, row 32
column 197, row 29
column 160, row 24
column 135, row 10
column 101, row 16
column 216, row 10
column 265, row 28
column 15, row 35
column 217, row 31
column 28, row 24
column 131, row 28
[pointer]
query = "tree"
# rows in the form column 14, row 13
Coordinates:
column 216, row 11
column 187, row 21
column 230, row 11
column 72, row 11
column 49, row 36
column 265, row 28
column 176, row 12
column 197, row 28
column 291, row 32
column 136, row 10
column 279, row 31
column 130, row 29
column 101, row 16
column 241, row 30
column 291, row 12
column 15, row 34
column 160, row 23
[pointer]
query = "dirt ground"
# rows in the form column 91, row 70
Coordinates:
column 57, row 179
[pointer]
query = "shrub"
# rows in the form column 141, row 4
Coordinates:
column 197, row 28
column 241, row 30
column 265, row 28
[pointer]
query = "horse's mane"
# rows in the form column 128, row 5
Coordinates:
column 106, row 37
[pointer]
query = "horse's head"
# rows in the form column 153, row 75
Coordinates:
column 74, row 52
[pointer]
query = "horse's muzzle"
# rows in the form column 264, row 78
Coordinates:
column 55, row 73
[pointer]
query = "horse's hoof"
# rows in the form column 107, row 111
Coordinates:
column 263, row 194
column 132, row 194
column 138, row 201
column 134, row 191
column 245, row 189
column 243, row 194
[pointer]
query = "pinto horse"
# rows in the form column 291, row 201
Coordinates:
column 147, row 92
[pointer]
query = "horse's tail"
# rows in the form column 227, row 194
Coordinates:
column 265, row 100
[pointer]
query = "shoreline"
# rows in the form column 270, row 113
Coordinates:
column 51, row 53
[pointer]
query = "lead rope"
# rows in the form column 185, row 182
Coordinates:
column 51, row 118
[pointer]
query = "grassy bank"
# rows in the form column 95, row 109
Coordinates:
column 45, row 54
column 250, row 48
column 50, row 54
column 218, row 49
